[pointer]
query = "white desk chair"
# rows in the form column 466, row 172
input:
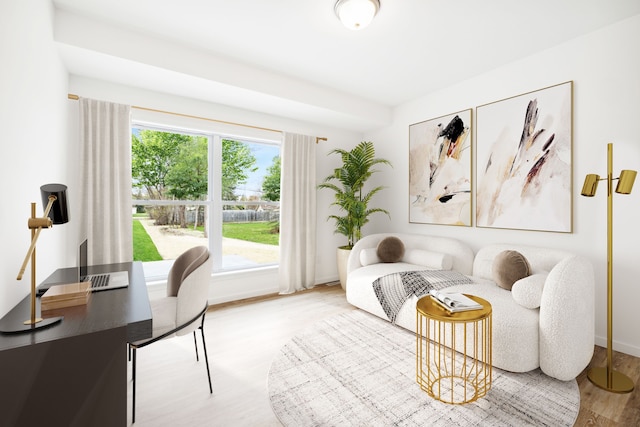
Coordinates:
column 183, row 309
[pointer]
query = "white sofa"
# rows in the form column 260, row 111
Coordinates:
column 558, row 336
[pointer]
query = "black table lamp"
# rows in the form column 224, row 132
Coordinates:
column 54, row 197
column 59, row 213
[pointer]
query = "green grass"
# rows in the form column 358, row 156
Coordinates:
column 143, row 247
column 258, row 232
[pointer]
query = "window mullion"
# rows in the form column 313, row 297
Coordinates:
column 215, row 190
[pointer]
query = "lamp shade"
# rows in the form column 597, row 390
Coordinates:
column 59, row 212
column 625, row 183
column 356, row 14
column 590, row 185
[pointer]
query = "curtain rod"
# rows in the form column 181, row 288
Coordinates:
column 318, row 138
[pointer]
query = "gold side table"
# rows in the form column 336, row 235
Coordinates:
column 453, row 351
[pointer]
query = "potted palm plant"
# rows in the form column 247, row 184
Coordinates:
column 347, row 182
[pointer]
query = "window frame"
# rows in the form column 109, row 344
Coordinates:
column 213, row 201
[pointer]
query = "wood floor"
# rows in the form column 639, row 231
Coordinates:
column 244, row 337
column 599, row 407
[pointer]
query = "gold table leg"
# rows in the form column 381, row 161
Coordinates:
column 453, row 358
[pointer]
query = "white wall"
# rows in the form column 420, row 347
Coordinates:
column 40, row 145
column 605, row 69
column 33, row 119
column 40, row 141
column 231, row 286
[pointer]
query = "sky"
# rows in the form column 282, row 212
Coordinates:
column 264, row 155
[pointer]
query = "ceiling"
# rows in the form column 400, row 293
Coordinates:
column 293, row 57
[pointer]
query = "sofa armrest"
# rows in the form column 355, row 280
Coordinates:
column 367, row 242
column 461, row 253
column 567, row 319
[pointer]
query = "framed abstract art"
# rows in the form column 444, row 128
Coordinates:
column 440, row 170
column 524, row 161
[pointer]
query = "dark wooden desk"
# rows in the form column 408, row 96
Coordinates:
column 74, row 373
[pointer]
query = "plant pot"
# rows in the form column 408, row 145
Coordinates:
column 342, row 256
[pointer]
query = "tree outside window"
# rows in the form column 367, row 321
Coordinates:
column 171, row 172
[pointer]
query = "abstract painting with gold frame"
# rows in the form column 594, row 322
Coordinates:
column 524, row 161
column 440, row 170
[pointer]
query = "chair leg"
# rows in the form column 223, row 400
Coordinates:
column 133, row 406
column 206, row 358
column 196, row 344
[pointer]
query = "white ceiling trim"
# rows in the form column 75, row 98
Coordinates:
column 97, row 50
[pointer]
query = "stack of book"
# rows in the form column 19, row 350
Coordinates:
column 68, row 295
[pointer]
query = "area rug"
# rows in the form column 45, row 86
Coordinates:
column 358, row 370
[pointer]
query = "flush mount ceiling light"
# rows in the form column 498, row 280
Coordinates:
column 356, row 14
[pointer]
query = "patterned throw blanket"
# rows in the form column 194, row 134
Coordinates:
column 394, row 289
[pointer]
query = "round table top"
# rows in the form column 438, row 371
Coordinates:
column 428, row 307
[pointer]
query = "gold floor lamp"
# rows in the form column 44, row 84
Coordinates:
column 54, row 197
column 607, row 378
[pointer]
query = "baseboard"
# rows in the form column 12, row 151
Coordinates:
column 619, row 346
column 327, row 279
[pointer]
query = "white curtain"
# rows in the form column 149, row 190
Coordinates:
column 297, row 213
column 105, row 154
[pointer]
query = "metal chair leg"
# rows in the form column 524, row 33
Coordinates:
column 196, row 344
column 133, row 406
column 134, row 350
column 206, row 358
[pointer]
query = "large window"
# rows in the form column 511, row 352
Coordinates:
column 192, row 188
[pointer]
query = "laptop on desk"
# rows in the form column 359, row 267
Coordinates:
column 99, row 281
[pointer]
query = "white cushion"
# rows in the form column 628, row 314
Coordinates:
column 430, row 259
column 369, row 256
column 515, row 329
column 163, row 311
column 528, row 291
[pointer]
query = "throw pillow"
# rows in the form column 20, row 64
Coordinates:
column 509, row 267
column 390, row 249
column 527, row 291
column 429, row 259
column 369, row 256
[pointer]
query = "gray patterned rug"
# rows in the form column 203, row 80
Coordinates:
column 358, row 370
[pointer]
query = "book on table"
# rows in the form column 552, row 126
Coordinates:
column 66, row 295
column 454, row 301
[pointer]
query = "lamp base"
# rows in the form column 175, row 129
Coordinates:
column 8, row 327
column 620, row 383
